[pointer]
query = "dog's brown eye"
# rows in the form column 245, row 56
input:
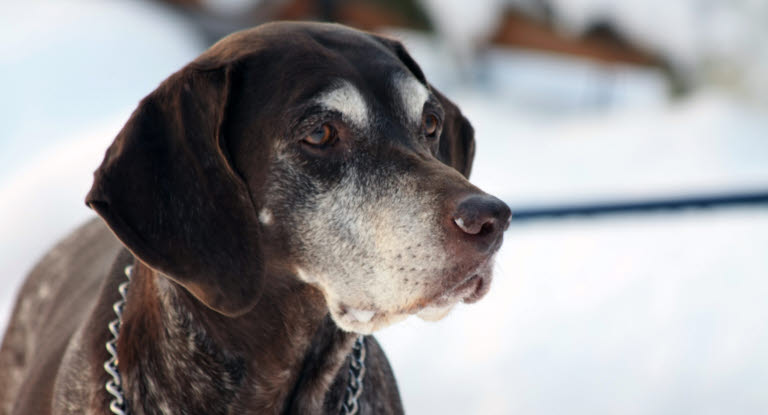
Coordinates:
column 321, row 136
column 430, row 124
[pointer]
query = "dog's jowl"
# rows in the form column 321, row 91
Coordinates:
column 293, row 188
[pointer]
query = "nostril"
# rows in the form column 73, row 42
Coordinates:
column 469, row 227
column 476, row 228
column 488, row 227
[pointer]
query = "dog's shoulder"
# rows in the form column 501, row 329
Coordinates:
column 54, row 300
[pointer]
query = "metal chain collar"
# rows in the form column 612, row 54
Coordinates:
column 114, row 386
column 356, row 373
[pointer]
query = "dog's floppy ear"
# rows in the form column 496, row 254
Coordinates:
column 166, row 188
column 457, row 141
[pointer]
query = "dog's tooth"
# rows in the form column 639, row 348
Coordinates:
column 362, row 316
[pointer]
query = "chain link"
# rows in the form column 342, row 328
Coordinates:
column 356, row 373
column 119, row 405
column 115, row 385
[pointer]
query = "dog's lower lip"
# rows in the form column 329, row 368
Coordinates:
column 466, row 284
column 479, row 289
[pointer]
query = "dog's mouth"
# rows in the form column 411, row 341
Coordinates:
column 474, row 288
column 469, row 289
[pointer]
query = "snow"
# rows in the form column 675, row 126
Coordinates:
column 707, row 143
column 44, row 200
column 52, row 88
column 646, row 314
column 547, row 81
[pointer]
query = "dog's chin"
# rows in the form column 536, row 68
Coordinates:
column 471, row 290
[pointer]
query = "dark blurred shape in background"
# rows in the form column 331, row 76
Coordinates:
column 219, row 18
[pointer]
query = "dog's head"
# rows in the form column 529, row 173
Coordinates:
column 311, row 151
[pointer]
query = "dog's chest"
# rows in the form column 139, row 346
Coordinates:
column 181, row 371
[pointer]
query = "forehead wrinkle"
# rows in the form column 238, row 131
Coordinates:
column 347, row 100
column 413, row 95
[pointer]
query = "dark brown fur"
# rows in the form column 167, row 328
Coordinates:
column 216, row 319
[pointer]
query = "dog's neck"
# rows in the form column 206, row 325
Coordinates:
column 282, row 356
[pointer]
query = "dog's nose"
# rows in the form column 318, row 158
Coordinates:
column 483, row 219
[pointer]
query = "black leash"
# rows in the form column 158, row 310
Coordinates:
column 705, row 201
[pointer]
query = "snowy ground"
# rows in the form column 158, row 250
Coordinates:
column 652, row 314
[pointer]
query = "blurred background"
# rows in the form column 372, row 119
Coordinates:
column 649, row 115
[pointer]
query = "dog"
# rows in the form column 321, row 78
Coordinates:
column 294, row 187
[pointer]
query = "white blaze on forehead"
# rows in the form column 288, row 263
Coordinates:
column 414, row 94
column 346, row 99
